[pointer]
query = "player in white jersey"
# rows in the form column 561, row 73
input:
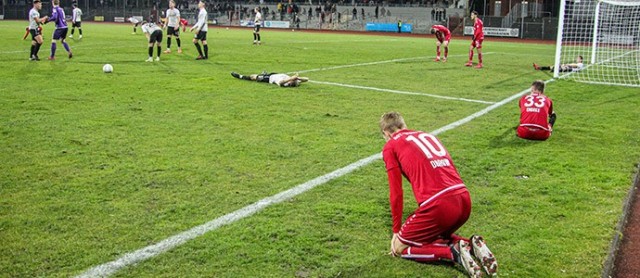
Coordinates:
column 280, row 79
column 76, row 20
column 135, row 22
column 257, row 22
column 153, row 33
column 577, row 66
column 201, row 28
column 173, row 26
column 34, row 28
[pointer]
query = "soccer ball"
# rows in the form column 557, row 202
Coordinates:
column 107, row 68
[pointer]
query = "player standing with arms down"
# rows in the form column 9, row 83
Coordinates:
column 476, row 40
column 444, row 204
column 536, row 114
column 201, row 28
column 34, row 28
column 60, row 34
column 173, row 26
column 76, row 20
column 443, row 35
column 257, row 22
column 154, row 34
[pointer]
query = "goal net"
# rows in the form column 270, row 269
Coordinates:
column 606, row 34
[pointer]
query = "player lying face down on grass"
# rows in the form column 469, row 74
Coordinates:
column 280, row 79
column 444, row 203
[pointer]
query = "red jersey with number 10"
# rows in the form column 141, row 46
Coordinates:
column 478, row 30
column 421, row 159
column 535, row 110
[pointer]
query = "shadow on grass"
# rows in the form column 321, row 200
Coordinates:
column 508, row 138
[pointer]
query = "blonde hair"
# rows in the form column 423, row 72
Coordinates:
column 391, row 122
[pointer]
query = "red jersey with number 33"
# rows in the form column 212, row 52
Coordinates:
column 421, row 159
column 535, row 110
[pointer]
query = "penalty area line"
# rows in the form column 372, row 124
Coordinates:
column 400, row 92
column 177, row 240
column 378, row 63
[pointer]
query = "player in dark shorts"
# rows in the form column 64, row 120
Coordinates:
column 76, row 20
column 35, row 30
column 257, row 22
column 154, row 35
column 201, row 28
column 60, row 34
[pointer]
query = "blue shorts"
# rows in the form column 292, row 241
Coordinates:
column 60, row 34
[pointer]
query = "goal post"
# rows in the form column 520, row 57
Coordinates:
column 606, row 34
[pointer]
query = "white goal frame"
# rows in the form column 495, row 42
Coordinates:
column 611, row 58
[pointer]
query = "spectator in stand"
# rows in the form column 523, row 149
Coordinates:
column 354, row 13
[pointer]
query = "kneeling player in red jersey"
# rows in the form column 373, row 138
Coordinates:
column 444, row 204
column 536, row 114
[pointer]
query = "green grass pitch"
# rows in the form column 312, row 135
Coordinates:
column 97, row 165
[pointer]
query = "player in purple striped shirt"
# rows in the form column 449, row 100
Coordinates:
column 57, row 16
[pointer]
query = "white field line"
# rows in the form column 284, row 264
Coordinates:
column 378, row 63
column 151, row 251
column 400, row 92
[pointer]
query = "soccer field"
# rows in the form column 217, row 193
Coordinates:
column 96, row 166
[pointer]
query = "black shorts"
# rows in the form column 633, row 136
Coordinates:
column 256, row 28
column 156, row 36
column 171, row 31
column 76, row 24
column 202, row 36
column 34, row 33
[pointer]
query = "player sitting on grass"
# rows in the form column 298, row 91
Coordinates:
column 536, row 114
column 280, row 79
column 577, row 66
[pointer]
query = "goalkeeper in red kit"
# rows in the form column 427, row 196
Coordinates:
column 443, row 35
column 444, row 203
column 476, row 40
column 536, row 114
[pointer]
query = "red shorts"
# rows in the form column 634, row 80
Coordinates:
column 447, row 39
column 533, row 133
column 477, row 43
column 438, row 219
